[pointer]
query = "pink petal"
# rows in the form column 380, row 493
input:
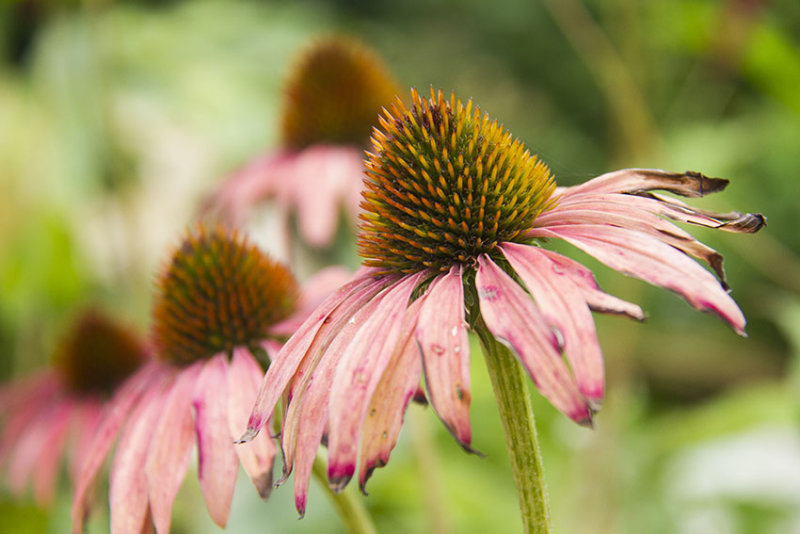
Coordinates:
column 322, row 176
column 114, row 414
column 512, row 317
column 128, row 499
column 257, row 455
column 45, row 473
column 30, row 398
column 597, row 300
column 307, row 414
column 282, row 369
column 217, row 463
column 688, row 184
column 84, row 428
column 442, row 337
column 358, row 374
column 564, row 308
column 639, row 255
column 171, row 447
column 397, row 387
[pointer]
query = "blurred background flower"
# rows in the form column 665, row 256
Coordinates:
column 118, row 117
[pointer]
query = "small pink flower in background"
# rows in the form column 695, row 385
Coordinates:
column 54, row 414
column 333, row 99
column 221, row 305
column 456, row 214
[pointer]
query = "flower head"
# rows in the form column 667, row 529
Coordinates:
column 455, row 215
column 58, row 409
column 220, row 304
column 332, row 100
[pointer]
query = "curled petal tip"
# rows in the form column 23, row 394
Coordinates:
column 249, row 434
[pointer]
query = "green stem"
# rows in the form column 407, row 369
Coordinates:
column 513, row 402
column 351, row 508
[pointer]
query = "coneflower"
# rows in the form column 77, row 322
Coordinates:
column 456, row 214
column 332, row 100
column 58, row 410
column 221, row 307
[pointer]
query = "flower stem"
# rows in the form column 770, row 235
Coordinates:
column 351, row 508
column 513, row 403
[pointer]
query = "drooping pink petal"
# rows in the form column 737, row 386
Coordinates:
column 358, row 374
column 114, row 414
column 307, row 415
column 315, row 291
column 35, row 395
column 642, row 256
column 45, row 472
column 635, row 213
column 171, row 447
column 323, row 175
column 217, row 463
column 597, row 299
column 688, row 184
column 128, row 500
column 442, row 337
column 259, row 179
column 257, row 455
column 512, row 317
column 84, row 427
column 563, row 307
column 387, row 408
column 282, row 370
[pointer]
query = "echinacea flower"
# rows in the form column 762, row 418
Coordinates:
column 220, row 307
column 333, row 98
column 57, row 410
column 456, row 214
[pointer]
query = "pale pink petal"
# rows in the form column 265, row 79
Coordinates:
column 639, row 255
column 512, row 317
column 397, row 387
column 358, row 374
column 322, row 176
column 597, row 299
column 32, row 444
column 307, row 414
column 217, row 463
column 261, row 178
column 442, row 337
column 282, row 370
column 257, row 455
column 45, row 472
column 84, row 428
column 114, row 414
column 128, row 500
column 28, row 402
column 315, row 291
column 564, row 308
column 171, row 447
column 634, row 213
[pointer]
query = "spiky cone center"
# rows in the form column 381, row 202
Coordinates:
column 445, row 184
column 97, row 354
column 218, row 292
column 334, row 95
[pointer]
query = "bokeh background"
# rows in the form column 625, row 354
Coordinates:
column 116, row 118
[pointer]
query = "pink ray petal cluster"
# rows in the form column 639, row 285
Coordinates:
column 350, row 370
column 164, row 413
column 312, row 184
column 43, row 422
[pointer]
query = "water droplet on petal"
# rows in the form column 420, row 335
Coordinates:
column 454, row 331
column 457, row 349
column 384, row 434
column 437, row 349
column 558, row 269
column 351, row 320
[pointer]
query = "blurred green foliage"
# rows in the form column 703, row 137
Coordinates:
column 117, row 117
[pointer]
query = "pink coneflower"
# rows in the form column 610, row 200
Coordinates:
column 456, row 213
column 333, row 98
column 220, row 307
column 58, row 410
